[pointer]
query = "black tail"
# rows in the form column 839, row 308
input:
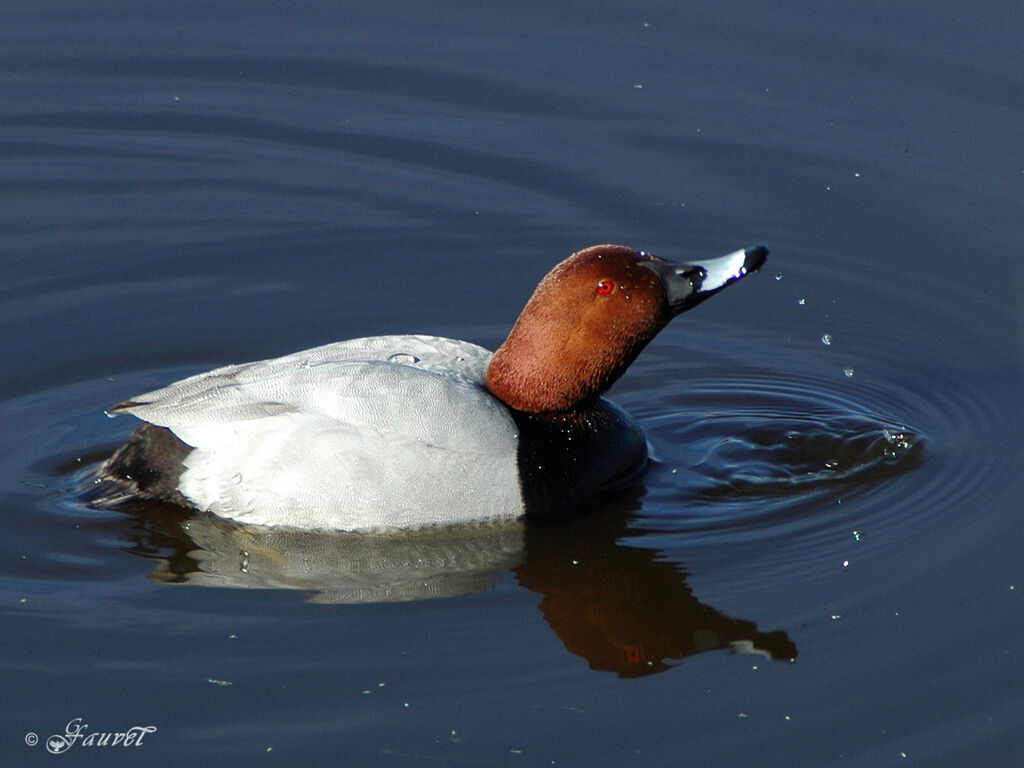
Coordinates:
column 147, row 466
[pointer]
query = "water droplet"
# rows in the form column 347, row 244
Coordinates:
column 856, row 535
column 801, row 301
column 846, row 563
column 848, row 372
column 236, row 478
column 244, row 565
column 110, row 415
column 778, row 276
column 826, row 339
column 898, row 441
column 403, row 357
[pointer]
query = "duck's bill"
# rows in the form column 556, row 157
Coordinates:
column 687, row 285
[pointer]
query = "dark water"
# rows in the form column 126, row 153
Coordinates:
column 187, row 185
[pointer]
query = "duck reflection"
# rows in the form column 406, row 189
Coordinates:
column 622, row 608
column 208, row 551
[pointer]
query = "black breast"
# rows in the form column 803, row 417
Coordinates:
column 566, row 459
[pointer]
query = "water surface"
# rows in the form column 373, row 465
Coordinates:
column 822, row 566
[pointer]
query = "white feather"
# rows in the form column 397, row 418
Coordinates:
column 329, row 438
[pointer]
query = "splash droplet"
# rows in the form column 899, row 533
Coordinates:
column 826, row 339
column 899, row 442
column 778, row 276
column 801, row 301
column 848, row 372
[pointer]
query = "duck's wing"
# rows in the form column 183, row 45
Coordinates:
column 425, row 387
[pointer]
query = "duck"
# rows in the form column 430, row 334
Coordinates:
column 398, row 432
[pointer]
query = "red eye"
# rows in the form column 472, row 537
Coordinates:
column 605, row 287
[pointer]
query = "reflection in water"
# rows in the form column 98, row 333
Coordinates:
column 619, row 607
column 624, row 608
column 204, row 550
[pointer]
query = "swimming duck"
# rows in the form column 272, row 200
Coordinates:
column 404, row 431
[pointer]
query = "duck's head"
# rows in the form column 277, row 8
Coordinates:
column 591, row 316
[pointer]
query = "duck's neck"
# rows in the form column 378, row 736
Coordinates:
column 525, row 378
column 537, row 373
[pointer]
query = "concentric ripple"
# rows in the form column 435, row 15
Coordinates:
column 759, row 437
column 753, row 454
